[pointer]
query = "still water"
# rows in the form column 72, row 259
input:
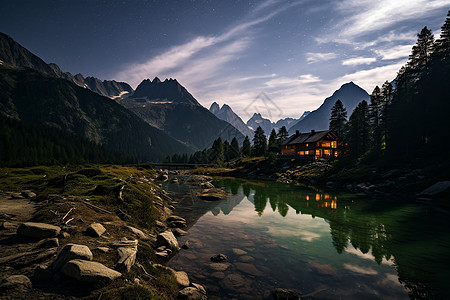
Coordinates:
column 324, row 245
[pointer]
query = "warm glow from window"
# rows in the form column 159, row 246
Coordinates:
column 301, row 152
column 307, row 145
column 327, row 152
column 317, row 197
column 326, row 197
column 318, row 152
column 333, row 204
column 307, row 197
column 333, row 144
column 326, row 144
column 336, row 153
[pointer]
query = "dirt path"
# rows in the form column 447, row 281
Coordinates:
column 16, row 209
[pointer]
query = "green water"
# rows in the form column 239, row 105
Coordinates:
column 334, row 245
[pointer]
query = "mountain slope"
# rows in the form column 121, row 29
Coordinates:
column 227, row 114
column 170, row 107
column 350, row 94
column 15, row 55
column 35, row 98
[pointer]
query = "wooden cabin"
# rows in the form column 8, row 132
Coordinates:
column 312, row 145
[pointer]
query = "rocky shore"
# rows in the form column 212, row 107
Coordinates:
column 69, row 246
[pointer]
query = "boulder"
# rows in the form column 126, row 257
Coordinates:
column 207, row 185
column 285, row 294
column 175, row 218
column 38, row 230
column 16, row 282
column 127, row 257
column 178, row 231
column 191, row 293
column 69, row 252
column 28, row 194
column 213, row 194
column 137, row 232
column 436, row 189
column 248, row 268
column 239, row 251
column 167, row 239
column 8, row 225
column 199, row 287
column 95, row 230
column 182, row 278
column 89, row 271
column 219, row 258
column 219, row 267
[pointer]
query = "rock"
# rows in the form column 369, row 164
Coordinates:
column 177, row 224
column 89, row 271
column 103, row 249
column 8, row 225
column 139, row 233
column 285, row 294
column 64, row 235
column 127, row 257
column 69, row 252
column 213, row 194
column 191, row 293
column 95, row 230
column 17, row 196
column 163, row 177
column 199, row 287
column 124, row 242
column 167, row 239
column 42, row 273
column 20, row 282
column 248, row 268
column 207, row 185
column 220, row 267
column 28, row 194
column 160, row 224
column 175, row 218
column 237, row 251
column 162, row 248
column 246, row 258
column 436, row 189
column 182, row 278
column 38, row 230
column 219, row 258
column 47, row 243
column 178, row 231
column 162, row 254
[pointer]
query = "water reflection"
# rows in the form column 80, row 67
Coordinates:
column 415, row 239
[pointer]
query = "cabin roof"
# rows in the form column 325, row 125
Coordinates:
column 309, row 137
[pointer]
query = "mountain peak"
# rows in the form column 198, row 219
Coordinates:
column 215, row 108
column 168, row 90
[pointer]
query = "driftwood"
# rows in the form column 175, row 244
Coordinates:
column 18, row 255
column 98, row 208
column 121, row 193
column 70, row 210
column 67, row 222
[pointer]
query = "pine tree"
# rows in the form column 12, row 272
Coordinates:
column 385, row 102
column 338, row 118
column 246, row 147
column 422, row 51
column 375, row 117
column 282, row 135
column 358, row 130
column 217, row 154
column 260, row 142
column 235, row 153
column 227, row 150
column 273, row 142
column 442, row 45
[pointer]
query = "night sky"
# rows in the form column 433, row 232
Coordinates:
column 297, row 52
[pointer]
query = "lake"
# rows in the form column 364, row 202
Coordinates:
column 322, row 244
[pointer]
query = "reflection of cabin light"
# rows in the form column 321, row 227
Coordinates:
column 326, row 197
column 317, row 197
column 326, row 204
column 307, row 197
column 335, row 197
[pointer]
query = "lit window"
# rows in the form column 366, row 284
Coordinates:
column 326, row 144
column 318, row 152
column 327, row 152
column 333, row 144
column 307, row 145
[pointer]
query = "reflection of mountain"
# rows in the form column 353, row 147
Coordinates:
column 415, row 238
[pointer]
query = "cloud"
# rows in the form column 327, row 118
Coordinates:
column 396, row 52
column 360, row 270
column 367, row 16
column 369, row 78
column 216, row 50
column 359, row 61
column 319, row 57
